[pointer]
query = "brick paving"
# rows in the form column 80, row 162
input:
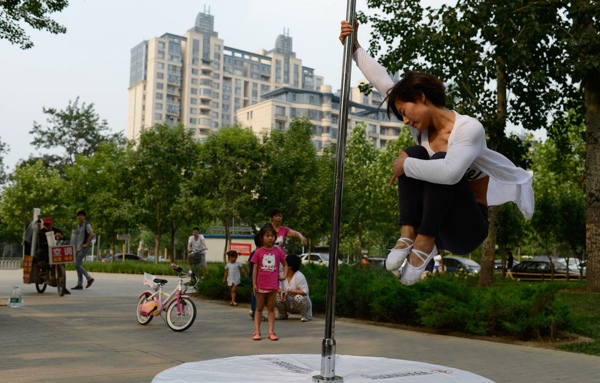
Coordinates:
column 93, row 336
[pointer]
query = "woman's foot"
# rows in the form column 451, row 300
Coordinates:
column 399, row 253
column 411, row 274
column 272, row 336
column 256, row 336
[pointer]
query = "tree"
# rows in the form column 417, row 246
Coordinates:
column 359, row 195
column 3, row 150
column 77, row 130
column 226, row 177
column 31, row 12
column 161, row 165
column 101, row 184
column 290, row 179
column 559, row 183
column 32, row 186
column 484, row 51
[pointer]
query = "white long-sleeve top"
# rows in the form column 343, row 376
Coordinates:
column 467, row 152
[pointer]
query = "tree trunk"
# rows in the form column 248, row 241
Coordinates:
column 487, row 255
column 592, row 181
column 486, row 275
column 158, row 232
column 227, row 239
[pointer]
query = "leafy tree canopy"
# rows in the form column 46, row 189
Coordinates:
column 3, row 150
column 76, row 130
column 34, row 13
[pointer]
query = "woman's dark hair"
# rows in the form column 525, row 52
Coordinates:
column 293, row 262
column 412, row 87
column 276, row 211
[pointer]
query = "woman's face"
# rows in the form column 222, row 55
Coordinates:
column 277, row 219
column 415, row 114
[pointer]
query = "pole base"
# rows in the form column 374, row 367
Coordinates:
column 322, row 379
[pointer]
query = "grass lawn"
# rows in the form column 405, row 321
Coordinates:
column 585, row 312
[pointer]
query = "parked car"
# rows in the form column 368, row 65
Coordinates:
column 498, row 264
column 453, row 264
column 91, row 258
column 575, row 264
column 119, row 257
column 317, row 258
column 539, row 270
column 151, row 258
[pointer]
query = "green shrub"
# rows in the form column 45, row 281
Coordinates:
column 450, row 302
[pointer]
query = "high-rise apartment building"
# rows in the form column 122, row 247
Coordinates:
column 196, row 80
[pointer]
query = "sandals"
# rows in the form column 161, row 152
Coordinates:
column 272, row 336
column 397, row 256
column 411, row 274
column 256, row 336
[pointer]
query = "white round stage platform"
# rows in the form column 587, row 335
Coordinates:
column 301, row 368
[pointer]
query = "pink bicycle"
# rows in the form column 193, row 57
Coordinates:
column 179, row 308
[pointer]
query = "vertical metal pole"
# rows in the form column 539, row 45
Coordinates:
column 328, row 346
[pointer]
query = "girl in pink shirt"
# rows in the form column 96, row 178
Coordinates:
column 265, row 278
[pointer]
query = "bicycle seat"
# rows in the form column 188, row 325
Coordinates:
column 160, row 281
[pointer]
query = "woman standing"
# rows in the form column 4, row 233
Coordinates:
column 283, row 231
column 448, row 179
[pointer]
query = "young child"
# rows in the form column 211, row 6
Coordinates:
column 250, row 265
column 232, row 274
column 265, row 278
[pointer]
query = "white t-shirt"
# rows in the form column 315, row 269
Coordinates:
column 196, row 245
column 298, row 282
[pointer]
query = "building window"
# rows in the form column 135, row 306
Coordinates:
column 158, row 106
column 279, row 111
column 194, row 101
column 160, row 75
column 160, row 85
column 157, row 116
column 159, row 96
column 249, row 115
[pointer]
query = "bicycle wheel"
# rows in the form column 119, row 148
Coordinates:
column 40, row 281
column 61, row 280
column 143, row 320
column 184, row 320
column 41, row 287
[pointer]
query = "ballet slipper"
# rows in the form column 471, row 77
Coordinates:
column 397, row 256
column 411, row 274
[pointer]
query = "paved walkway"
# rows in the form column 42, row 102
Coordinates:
column 93, row 336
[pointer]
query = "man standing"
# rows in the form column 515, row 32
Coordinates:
column 196, row 248
column 81, row 239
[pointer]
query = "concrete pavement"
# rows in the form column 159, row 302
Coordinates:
column 93, row 336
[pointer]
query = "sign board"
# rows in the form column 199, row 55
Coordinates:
column 62, row 254
column 124, row 237
column 243, row 249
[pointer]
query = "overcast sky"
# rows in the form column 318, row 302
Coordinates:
column 91, row 61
